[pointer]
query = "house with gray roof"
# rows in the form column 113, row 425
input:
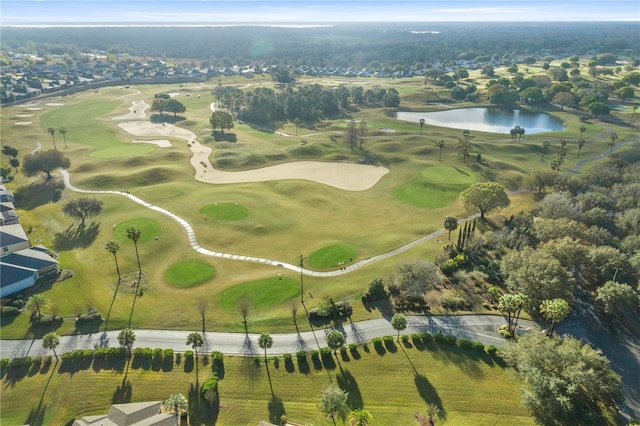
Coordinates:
column 133, row 414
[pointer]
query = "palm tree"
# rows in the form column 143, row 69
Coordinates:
column 134, row 233
column 360, row 417
column 399, row 323
column 554, row 311
column 521, row 132
column 126, row 337
column 450, row 224
column 50, row 341
column 580, row 145
column 112, row 247
column 35, row 303
column 177, row 403
column 52, row 131
column 335, row 340
column 464, row 147
column 614, row 138
column 421, row 125
column 63, row 132
column 545, row 147
column 441, row 146
column 195, row 340
column 265, row 341
column 582, row 130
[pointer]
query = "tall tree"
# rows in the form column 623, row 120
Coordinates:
column 243, row 305
column 441, row 145
column 195, row 340
column 399, row 323
column 221, row 120
column 450, row 224
column 363, row 130
column 334, row 402
column 554, row 311
column 360, row 417
column 614, row 137
column 44, row 162
column 113, row 247
column 82, row 208
column 134, row 233
column 201, row 306
column 464, row 145
column 265, row 341
column 416, row 277
column 565, row 381
column 35, row 303
column 511, row 305
column 175, row 106
column 51, row 341
column 63, row 132
column 52, row 132
column 485, row 196
column 335, row 340
column 618, row 299
column 580, row 145
column 126, row 338
column 422, row 121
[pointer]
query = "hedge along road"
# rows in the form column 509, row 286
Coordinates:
column 483, row 328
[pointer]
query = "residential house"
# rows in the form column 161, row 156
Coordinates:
column 133, row 414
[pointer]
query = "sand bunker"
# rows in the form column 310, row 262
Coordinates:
column 54, row 104
column 24, row 115
column 174, row 94
column 22, row 123
column 349, row 177
column 34, row 108
column 163, row 143
column 136, row 111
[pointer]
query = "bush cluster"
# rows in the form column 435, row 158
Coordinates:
column 456, row 303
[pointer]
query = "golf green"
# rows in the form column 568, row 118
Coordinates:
column 188, row 274
column 149, row 229
column 225, row 211
column 261, row 293
column 331, row 256
column 448, row 175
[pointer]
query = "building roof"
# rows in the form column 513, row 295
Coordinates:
column 23, row 264
column 133, row 414
column 12, row 234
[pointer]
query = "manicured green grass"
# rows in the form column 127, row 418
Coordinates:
column 149, row 230
column 449, row 175
column 123, row 151
column 262, row 293
column 225, row 211
column 392, row 382
column 433, row 190
column 331, row 256
column 188, row 274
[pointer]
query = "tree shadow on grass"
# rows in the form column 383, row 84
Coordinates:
column 36, row 415
column 428, row 393
column 38, row 193
column 123, row 392
column 201, row 411
column 13, row 375
column 348, row 383
column 276, row 410
column 75, row 237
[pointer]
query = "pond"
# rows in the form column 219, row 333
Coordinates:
column 493, row 120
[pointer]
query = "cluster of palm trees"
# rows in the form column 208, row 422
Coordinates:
column 133, row 233
column 516, row 132
column 63, row 132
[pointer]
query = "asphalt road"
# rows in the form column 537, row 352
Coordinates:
column 472, row 327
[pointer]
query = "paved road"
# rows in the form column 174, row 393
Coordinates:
column 473, row 327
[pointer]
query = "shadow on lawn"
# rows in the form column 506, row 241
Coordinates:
column 429, row 394
column 276, row 410
column 37, row 193
column 202, row 412
column 36, row 415
column 348, row 383
column 76, row 237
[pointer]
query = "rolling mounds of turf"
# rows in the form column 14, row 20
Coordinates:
column 261, row 293
column 436, row 186
column 188, row 274
column 225, row 211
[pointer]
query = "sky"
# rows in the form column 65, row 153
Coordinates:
column 163, row 12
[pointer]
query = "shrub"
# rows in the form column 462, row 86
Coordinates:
column 178, row 357
column 47, row 359
column 18, row 303
column 301, row 355
column 456, row 303
column 287, row 358
column 450, row 339
column 147, row 353
column 20, row 362
column 438, row 338
column 101, row 353
column 464, row 343
column 87, row 354
column 188, row 355
column 217, row 359
column 404, row 338
column 343, row 350
column 210, row 389
column 353, row 347
column 138, row 353
column 10, row 311
column 376, row 289
column 426, row 337
column 492, row 350
column 36, row 360
column 325, row 352
column 315, row 354
column 157, row 353
column 167, row 354
column 388, row 339
column 376, row 341
column 4, row 362
column 416, row 338
column 118, row 352
column 477, row 346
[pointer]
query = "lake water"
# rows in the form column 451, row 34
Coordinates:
column 493, row 120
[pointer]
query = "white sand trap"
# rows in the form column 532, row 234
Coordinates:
column 349, row 177
column 136, row 111
column 386, row 129
column 163, row 143
column 174, row 94
column 22, row 123
column 24, row 115
column 34, row 108
column 54, row 104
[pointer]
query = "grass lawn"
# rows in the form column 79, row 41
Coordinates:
column 262, row 293
column 225, row 211
column 331, row 256
column 188, row 274
column 392, row 383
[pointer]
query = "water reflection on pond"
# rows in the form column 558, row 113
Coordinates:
column 493, row 120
